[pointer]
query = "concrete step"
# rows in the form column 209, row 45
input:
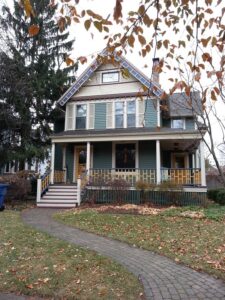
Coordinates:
column 53, row 197
column 68, row 187
column 61, row 193
column 58, row 201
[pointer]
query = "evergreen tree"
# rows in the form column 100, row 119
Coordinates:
column 32, row 78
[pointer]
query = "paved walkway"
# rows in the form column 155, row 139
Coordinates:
column 162, row 278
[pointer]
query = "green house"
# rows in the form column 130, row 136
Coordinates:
column 120, row 126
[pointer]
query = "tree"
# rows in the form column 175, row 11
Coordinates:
column 32, row 78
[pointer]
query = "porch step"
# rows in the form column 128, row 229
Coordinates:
column 64, row 196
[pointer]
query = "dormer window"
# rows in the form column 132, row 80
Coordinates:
column 108, row 77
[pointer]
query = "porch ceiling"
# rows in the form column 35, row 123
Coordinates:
column 188, row 145
column 126, row 134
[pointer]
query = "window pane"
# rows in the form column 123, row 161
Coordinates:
column 119, row 108
column 131, row 120
column 119, row 121
column 81, row 110
column 131, row 107
column 80, row 122
column 178, row 123
column 125, row 156
column 110, row 77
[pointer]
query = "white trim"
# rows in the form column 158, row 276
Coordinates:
column 158, row 162
column 131, row 137
column 158, row 113
column 113, row 155
column 202, row 160
column 88, row 157
column 52, row 163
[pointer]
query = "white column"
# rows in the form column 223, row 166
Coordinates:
column 202, row 159
column 78, row 191
column 88, row 162
column 64, row 162
column 193, row 161
column 158, row 113
column 197, row 158
column 38, row 198
column 52, row 164
column 158, row 163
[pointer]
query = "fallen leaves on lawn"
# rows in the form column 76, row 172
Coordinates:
column 193, row 214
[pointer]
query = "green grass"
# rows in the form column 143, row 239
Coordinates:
column 34, row 263
column 198, row 243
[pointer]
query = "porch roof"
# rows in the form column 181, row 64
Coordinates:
column 125, row 134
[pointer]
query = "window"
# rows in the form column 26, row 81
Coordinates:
column 125, row 114
column 177, row 123
column 125, row 156
column 108, row 77
column 119, row 113
column 81, row 114
column 131, row 114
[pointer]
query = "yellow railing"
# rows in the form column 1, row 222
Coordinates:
column 45, row 182
column 182, row 176
column 59, row 176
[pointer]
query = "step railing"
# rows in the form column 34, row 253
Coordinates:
column 42, row 185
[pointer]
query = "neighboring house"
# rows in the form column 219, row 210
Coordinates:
column 116, row 127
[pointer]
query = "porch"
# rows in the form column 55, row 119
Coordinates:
column 152, row 162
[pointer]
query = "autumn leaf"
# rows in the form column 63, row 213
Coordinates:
column 33, row 30
column 69, row 61
column 118, row 11
column 82, row 59
column 87, row 24
column 131, row 40
column 28, row 8
column 142, row 39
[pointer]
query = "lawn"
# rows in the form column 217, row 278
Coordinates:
column 197, row 242
column 33, row 263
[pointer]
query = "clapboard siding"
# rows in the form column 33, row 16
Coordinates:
column 100, row 116
column 102, row 155
column 150, row 114
column 147, row 155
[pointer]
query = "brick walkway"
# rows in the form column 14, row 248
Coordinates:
column 162, row 278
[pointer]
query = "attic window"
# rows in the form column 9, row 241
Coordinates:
column 108, row 77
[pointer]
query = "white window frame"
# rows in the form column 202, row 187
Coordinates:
column 125, row 104
column 110, row 72
column 184, row 123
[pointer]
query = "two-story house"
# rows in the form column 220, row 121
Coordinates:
column 117, row 126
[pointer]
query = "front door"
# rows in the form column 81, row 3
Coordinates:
column 180, row 173
column 80, row 159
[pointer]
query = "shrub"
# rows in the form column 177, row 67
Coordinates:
column 212, row 194
column 221, row 197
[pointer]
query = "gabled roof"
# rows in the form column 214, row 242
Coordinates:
column 123, row 62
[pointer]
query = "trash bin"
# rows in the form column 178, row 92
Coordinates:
column 3, row 190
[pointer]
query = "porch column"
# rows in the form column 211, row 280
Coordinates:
column 193, row 161
column 197, row 158
column 202, row 159
column 88, row 162
column 64, row 162
column 158, row 163
column 158, row 113
column 52, row 164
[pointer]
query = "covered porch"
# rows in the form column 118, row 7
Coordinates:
column 151, row 161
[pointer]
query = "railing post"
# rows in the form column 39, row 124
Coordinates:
column 52, row 164
column 158, row 163
column 38, row 198
column 78, row 190
column 202, row 159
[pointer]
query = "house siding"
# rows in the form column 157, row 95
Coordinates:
column 58, row 157
column 147, row 155
column 70, row 161
column 150, row 114
column 100, row 116
column 190, row 123
column 102, row 155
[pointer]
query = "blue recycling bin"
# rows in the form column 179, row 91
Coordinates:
column 3, row 190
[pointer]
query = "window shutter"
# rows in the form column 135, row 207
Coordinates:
column 109, row 115
column 69, row 117
column 141, row 113
column 91, row 115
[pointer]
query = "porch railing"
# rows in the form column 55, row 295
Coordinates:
column 59, row 176
column 182, row 176
column 131, row 176
column 42, row 185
